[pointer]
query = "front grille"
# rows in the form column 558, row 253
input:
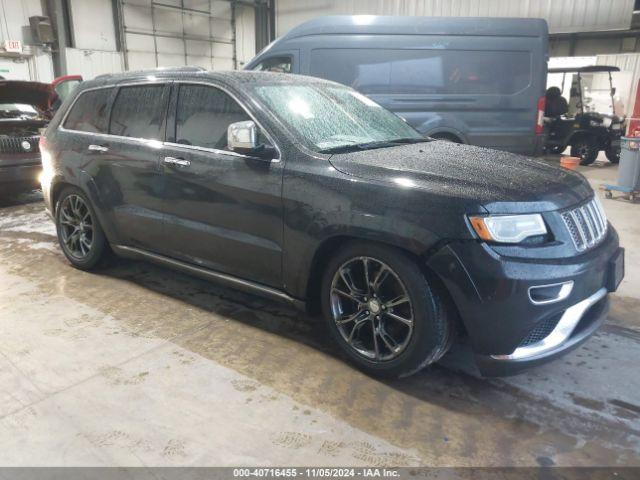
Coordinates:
column 587, row 224
column 14, row 144
column 540, row 331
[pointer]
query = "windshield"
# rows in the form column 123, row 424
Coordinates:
column 16, row 110
column 330, row 119
column 596, row 93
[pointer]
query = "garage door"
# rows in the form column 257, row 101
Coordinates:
column 179, row 32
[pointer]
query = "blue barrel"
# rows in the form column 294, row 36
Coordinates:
column 629, row 169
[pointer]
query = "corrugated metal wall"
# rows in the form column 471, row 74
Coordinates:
column 91, row 63
column 35, row 63
column 562, row 15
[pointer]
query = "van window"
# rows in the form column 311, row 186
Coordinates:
column 89, row 112
column 423, row 71
column 280, row 64
column 203, row 116
column 138, row 112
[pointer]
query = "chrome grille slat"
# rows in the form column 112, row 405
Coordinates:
column 587, row 224
column 592, row 221
column 14, row 144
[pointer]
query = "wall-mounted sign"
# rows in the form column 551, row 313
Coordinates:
column 14, row 46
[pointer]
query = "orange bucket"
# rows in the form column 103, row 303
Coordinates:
column 570, row 163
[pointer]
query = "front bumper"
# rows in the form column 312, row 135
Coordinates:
column 509, row 331
column 24, row 173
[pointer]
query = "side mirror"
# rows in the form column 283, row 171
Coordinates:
column 242, row 137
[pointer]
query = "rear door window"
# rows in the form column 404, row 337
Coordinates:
column 424, row 72
column 203, row 115
column 139, row 112
column 89, row 112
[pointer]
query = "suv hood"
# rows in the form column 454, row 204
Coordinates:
column 479, row 178
column 39, row 95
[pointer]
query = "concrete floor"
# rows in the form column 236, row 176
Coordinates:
column 138, row 365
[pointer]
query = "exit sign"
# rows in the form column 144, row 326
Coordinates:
column 13, row 46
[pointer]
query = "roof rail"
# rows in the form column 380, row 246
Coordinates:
column 151, row 71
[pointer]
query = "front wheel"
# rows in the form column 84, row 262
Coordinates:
column 613, row 155
column 585, row 148
column 79, row 233
column 383, row 312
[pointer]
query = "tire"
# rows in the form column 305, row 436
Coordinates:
column 74, row 213
column 585, row 148
column 422, row 342
column 556, row 149
column 613, row 155
column 447, row 137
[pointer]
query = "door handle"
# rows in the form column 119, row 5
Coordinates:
column 97, row 148
column 177, row 161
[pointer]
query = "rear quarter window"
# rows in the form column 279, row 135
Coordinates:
column 424, row 72
column 89, row 112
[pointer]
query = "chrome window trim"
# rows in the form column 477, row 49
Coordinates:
column 212, row 84
column 565, row 291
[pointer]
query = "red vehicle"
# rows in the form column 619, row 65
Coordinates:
column 26, row 108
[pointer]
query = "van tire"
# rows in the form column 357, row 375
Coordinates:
column 447, row 137
column 432, row 329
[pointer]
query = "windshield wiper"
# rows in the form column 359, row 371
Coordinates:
column 352, row 147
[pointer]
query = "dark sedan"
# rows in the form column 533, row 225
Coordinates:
column 25, row 109
column 307, row 191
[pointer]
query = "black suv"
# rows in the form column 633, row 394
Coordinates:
column 306, row 191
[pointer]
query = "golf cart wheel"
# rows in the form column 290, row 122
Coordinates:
column 585, row 148
column 608, row 194
column 613, row 155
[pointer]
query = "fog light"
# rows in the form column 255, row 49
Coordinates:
column 26, row 146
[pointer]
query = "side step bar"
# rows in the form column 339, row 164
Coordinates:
column 221, row 278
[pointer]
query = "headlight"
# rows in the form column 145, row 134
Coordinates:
column 508, row 228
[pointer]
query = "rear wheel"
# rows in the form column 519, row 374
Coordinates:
column 556, row 149
column 382, row 311
column 79, row 233
column 585, row 148
column 613, row 154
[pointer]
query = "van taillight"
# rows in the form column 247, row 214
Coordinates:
column 542, row 101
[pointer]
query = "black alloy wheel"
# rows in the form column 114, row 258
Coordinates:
column 79, row 233
column 382, row 310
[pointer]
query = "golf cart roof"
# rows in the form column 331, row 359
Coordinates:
column 588, row 69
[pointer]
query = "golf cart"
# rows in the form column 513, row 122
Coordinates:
column 578, row 123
